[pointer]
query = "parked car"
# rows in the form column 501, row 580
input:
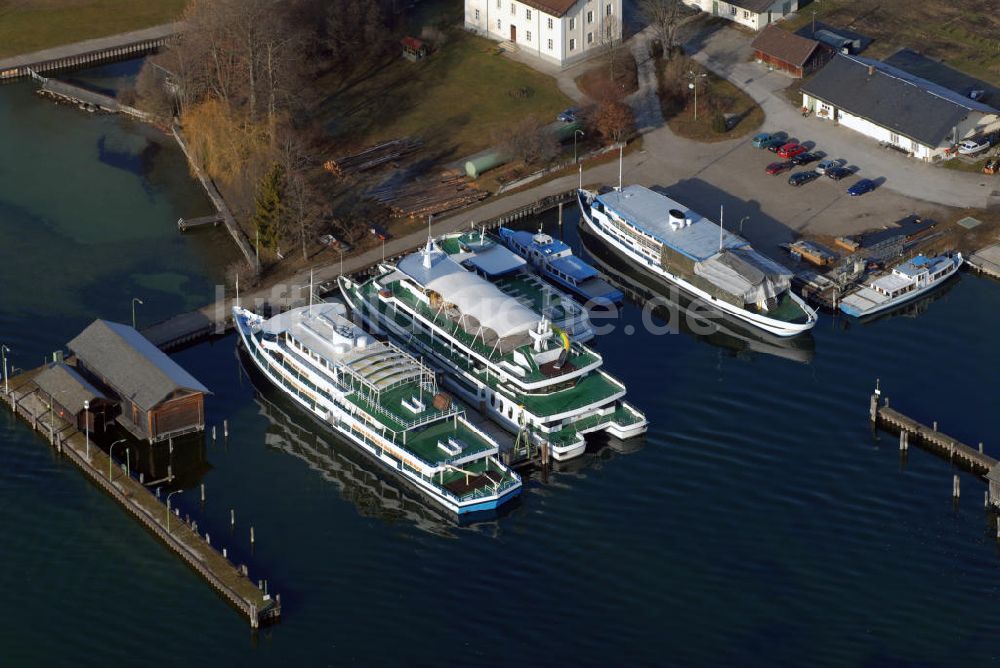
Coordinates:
column 804, row 158
column 824, row 165
column 837, row 173
column 800, row 178
column 779, row 168
column 973, row 146
column 791, row 150
column 379, row 233
column 774, row 143
column 861, row 187
column 760, row 139
column 568, row 116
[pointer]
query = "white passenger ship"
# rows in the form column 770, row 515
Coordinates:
column 904, row 283
column 495, row 352
column 673, row 242
column 382, row 400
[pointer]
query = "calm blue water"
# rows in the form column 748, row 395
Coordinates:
column 758, row 522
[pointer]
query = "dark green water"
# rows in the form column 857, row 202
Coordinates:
column 758, row 523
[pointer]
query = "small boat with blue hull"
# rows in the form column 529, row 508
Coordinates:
column 904, row 283
column 554, row 260
column 383, row 401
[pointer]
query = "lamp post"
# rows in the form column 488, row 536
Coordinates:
column 176, row 491
column 110, row 458
column 575, row 133
column 128, row 473
column 741, row 222
column 694, row 86
column 341, row 251
column 135, row 300
column 86, row 425
column 4, row 350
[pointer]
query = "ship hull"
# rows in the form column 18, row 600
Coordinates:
column 908, row 297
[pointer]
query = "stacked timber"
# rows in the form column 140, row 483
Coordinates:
column 422, row 198
column 372, row 157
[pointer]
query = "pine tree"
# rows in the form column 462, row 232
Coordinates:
column 269, row 216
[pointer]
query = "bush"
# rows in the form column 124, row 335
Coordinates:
column 719, row 124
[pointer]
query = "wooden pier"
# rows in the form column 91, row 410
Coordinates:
column 184, row 224
column 231, row 582
column 60, row 90
column 88, row 52
column 986, row 261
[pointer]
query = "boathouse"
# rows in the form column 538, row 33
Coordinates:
column 73, row 398
column 158, row 398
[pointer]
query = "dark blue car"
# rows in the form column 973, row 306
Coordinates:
column 861, row 187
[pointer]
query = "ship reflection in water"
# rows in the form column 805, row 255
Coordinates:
column 687, row 314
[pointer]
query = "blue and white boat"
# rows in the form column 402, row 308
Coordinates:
column 383, row 401
column 554, row 260
column 904, row 283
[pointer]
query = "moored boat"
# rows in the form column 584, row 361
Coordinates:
column 382, row 400
column 902, row 284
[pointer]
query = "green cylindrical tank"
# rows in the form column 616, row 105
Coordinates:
column 484, row 163
column 565, row 133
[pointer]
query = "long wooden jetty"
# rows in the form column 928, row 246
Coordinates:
column 88, row 52
column 231, row 582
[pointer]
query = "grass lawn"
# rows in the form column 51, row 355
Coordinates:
column 962, row 32
column 454, row 100
column 27, row 26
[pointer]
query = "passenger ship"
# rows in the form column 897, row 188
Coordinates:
column 673, row 242
column 554, row 260
column 904, row 283
column 382, row 400
column 495, row 352
column 481, row 253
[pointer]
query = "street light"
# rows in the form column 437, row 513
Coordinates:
column 694, row 86
column 741, row 222
column 110, row 458
column 4, row 350
column 341, row 251
column 575, row 133
column 176, row 491
column 134, row 300
column 86, row 425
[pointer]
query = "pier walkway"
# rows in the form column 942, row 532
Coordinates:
column 986, row 260
column 229, row 581
column 88, row 52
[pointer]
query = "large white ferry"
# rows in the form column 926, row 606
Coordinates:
column 495, row 352
column 382, row 400
column 904, row 283
column 673, row 242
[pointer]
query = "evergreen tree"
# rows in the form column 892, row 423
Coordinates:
column 269, row 217
column 719, row 123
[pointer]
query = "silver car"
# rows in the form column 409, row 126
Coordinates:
column 824, row 165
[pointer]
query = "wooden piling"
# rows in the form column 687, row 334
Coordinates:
column 955, row 488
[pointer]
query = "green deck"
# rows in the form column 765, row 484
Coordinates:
column 589, row 390
column 424, row 442
column 787, row 310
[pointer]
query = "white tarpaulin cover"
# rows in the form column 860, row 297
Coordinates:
column 745, row 273
column 473, row 295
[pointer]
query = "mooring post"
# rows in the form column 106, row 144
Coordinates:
column 980, row 447
column 225, row 553
column 986, row 498
column 232, row 517
column 935, row 425
column 225, row 428
column 955, row 487
column 252, row 538
column 208, row 538
column 902, row 441
column 213, row 433
column 873, row 409
column 203, row 493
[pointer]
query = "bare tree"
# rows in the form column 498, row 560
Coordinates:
column 529, row 140
column 611, row 43
column 665, row 17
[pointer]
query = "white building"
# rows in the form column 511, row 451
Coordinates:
column 557, row 31
column 917, row 116
column 754, row 14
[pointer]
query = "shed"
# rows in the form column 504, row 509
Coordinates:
column 73, row 398
column 788, row 52
column 158, row 398
column 413, row 49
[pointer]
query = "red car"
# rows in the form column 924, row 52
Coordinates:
column 779, row 167
column 790, row 150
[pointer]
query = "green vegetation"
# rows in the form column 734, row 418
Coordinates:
column 455, row 100
column 961, row 32
column 269, row 216
column 32, row 26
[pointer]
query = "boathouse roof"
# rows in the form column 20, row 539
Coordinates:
column 66, row 387
column 134, row 367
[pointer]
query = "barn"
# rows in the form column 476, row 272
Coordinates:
column 789, row 53
column 158, row 399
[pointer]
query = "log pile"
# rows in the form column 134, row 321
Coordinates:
column 422, row 198
column 372, row 157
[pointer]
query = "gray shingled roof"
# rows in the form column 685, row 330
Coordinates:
column 910, row 106
column 758, row 6
column 136, row 368
column 67, row 387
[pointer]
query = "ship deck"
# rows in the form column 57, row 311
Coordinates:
column 424, row 443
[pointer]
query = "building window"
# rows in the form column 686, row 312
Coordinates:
column 527, row 14
column 590, row 38
column 550, row 45
column 527, row 35
column 499, row 25
column 477, row 14
column 732, row 10
column 609, row 9
column 572, row 23
column 550, row 23
column 572, row 45
column 499, row 3
column 894, row 138
column 590, row 17
column 513, row 9
column 746, row 14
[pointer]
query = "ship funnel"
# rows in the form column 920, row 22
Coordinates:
column 676, row 219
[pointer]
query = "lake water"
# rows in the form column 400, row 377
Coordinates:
column 758, row 522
